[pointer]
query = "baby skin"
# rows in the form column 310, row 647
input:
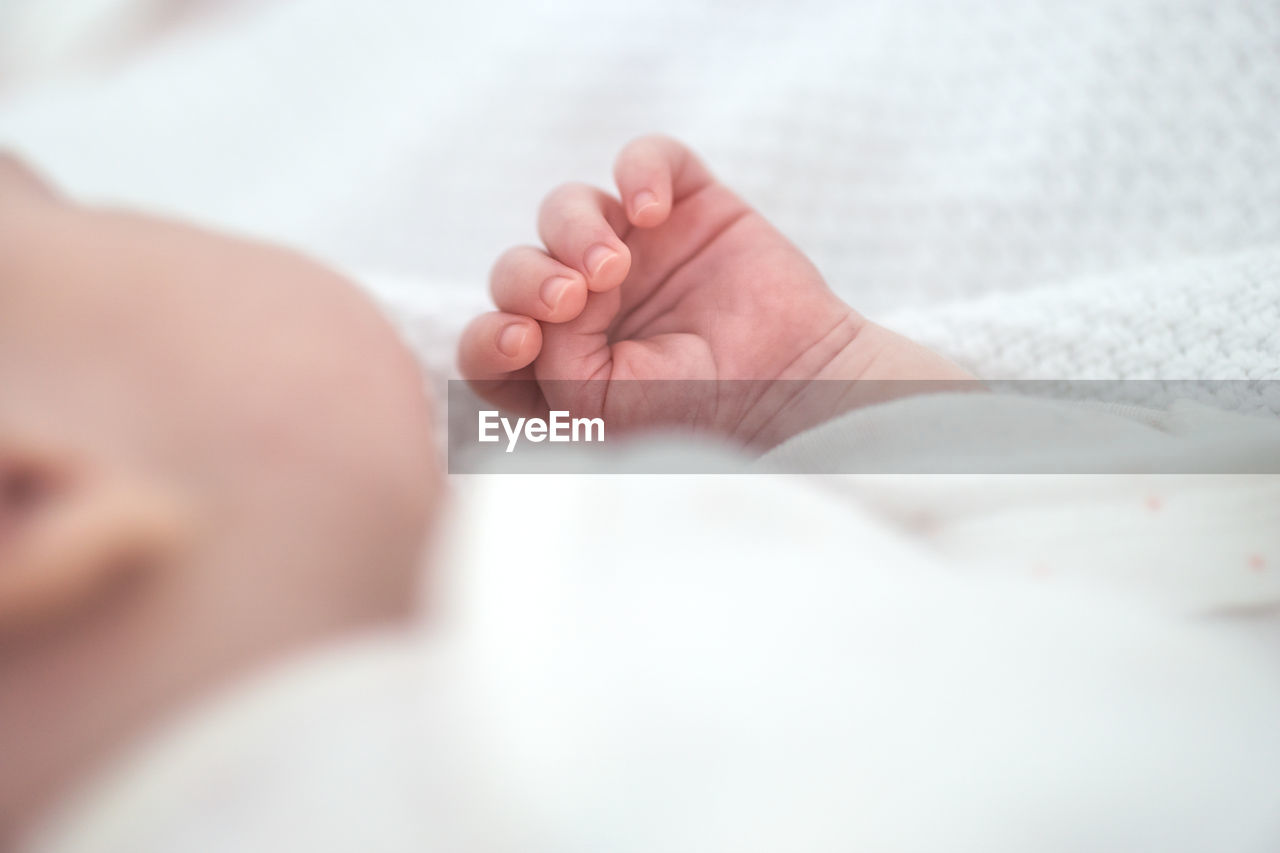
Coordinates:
column 197, row 475
column 679, row 279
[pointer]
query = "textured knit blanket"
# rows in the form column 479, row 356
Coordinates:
column 1044, row 189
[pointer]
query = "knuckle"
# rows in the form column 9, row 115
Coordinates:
column 509, row 260
column 566, row 193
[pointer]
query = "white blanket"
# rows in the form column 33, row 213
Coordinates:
column 991, row 177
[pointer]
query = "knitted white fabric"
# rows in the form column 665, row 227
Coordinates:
column 1201, row 318
column 925, row 153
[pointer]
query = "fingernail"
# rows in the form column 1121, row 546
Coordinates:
column 597, row 256
column 553, row 290
column 511, row 339
column 643, row 199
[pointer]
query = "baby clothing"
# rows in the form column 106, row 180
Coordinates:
column 766, row 661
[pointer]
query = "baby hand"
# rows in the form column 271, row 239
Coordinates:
column 680, row 280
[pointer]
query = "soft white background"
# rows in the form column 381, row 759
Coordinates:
column 927, row 154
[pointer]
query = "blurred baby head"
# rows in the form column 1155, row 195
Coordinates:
column 211, row 451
